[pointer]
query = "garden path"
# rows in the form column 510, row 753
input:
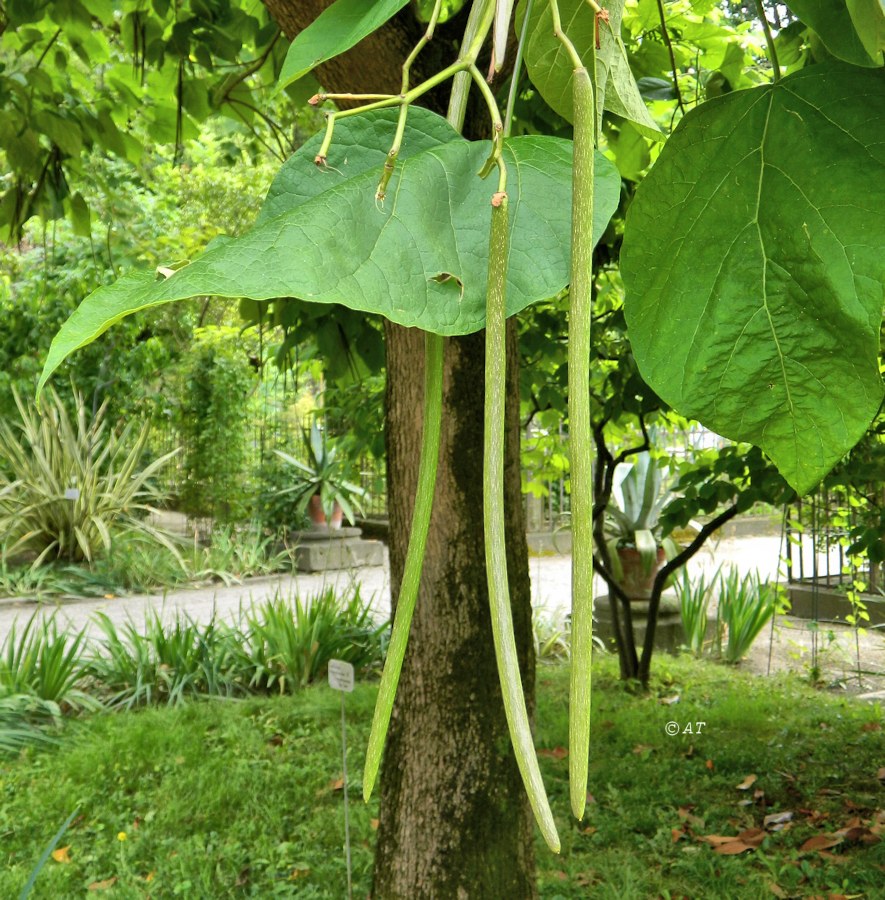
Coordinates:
column 788, row 647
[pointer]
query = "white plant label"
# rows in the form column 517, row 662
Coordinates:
column 340, row 675
column 72, row 493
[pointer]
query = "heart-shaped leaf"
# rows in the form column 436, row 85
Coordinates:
column 550, row 67
column 835, row 25
column 421, row 259
column 754, row 267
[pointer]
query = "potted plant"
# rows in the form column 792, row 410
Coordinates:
column 633, row 532
column 322, row 488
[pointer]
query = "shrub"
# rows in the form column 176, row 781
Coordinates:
column 289, row 642
column 45, row 663
column 23, row 721
column 694, row 602
column 213, row 425
column 277, row 646
column 67, row 485
column 746, row 605
column 166, row 663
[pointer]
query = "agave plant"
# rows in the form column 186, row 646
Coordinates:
column 324, row 475
column 639, row 495
column 68, row 483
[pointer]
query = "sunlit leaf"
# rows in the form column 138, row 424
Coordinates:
column 832, row 21
column 754, row 267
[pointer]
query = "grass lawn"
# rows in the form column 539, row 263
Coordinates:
column 243, row 798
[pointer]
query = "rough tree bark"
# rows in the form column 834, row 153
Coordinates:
column 454, row 820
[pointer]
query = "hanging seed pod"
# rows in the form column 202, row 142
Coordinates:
column 581, row 437
column 493, row 516
column 405, row 607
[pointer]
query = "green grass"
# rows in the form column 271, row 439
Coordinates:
column 234, row 799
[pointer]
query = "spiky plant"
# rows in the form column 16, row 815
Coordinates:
column 68, row 483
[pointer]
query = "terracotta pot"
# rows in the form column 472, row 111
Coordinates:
column 636, row 582
column 337, row 516
column 318, row 515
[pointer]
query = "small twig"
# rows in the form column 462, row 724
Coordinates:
column 669, row 44
column 46, row 49
column 563, row 38
column 250, row 69
column 769, row 40
column 495, row 158
column 318, row 99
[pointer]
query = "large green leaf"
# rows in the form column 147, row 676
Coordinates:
column 420, row 260
column 550, row 66
column 868, row 17
column 833, row 22
column 754, row 266
column 335, row 30
column 361, row 143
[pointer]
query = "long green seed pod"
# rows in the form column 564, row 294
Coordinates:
column 493, row 515
column 405, row 607
column 580, row 438
column 478, row 24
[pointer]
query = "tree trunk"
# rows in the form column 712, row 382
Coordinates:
column 455, row 820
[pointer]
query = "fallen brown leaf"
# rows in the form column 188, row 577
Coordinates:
column 716, row 839
column 62, row 855
column 777, row 890
column 747, row 783
column 732, row 849
column 821, row 842
column 857, row 833
column 374, row 823
column 752, row 836
column 709, row 764
column 871, row 726
column 639, row 749
column 102, row 885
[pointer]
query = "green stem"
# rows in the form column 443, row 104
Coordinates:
column 493, row 518
column 563, row 38
column 517, row 65
column 411, row 96
column 497, row 129
column 405, row 607
column 581, row 437
column 478, row 24
column 769, row 40
column 477, row 27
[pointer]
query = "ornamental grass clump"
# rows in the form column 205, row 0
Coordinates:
column 746, row 606
column 70, row 483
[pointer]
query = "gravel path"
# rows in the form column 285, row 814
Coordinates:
column 789, row 646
